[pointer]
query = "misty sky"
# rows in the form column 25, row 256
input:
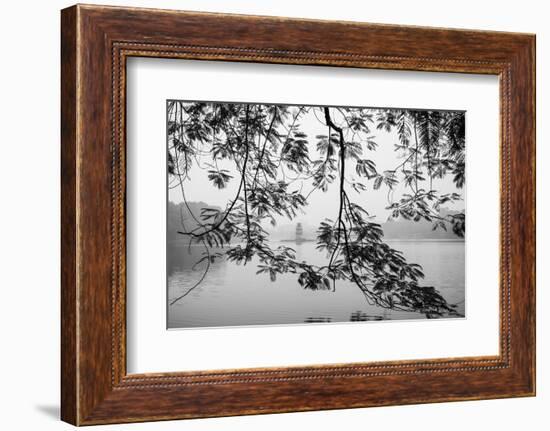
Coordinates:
column 321, row 204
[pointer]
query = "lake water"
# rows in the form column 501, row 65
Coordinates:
column 233, row 295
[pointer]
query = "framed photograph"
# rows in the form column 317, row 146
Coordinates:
column 266, row 215
column 251, row 190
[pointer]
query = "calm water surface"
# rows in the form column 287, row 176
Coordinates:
column 233, row 295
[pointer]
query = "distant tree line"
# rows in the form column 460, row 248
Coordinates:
column 269, row 152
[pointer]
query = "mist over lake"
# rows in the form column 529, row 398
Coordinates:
column 233, row 295
column 303, row 214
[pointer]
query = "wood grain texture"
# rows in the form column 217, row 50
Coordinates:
column 68, row 218
column 96, row 41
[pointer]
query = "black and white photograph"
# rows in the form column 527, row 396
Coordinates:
column 297, row 214
column 275, row 215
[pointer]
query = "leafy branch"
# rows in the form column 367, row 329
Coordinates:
column 266, row 143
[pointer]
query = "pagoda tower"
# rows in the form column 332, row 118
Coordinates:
column 299, row 233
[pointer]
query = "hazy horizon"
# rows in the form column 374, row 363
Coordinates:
column 320, row 204
column 250, row 265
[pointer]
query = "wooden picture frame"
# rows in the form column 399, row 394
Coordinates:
column 95, row 43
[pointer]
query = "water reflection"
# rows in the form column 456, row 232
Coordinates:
column 318, row 320
column 360, row 316
column 234, row 295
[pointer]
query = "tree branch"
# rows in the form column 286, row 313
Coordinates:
column 331, row 124
column 244, row 179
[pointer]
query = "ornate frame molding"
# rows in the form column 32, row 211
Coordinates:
column 96, row 41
